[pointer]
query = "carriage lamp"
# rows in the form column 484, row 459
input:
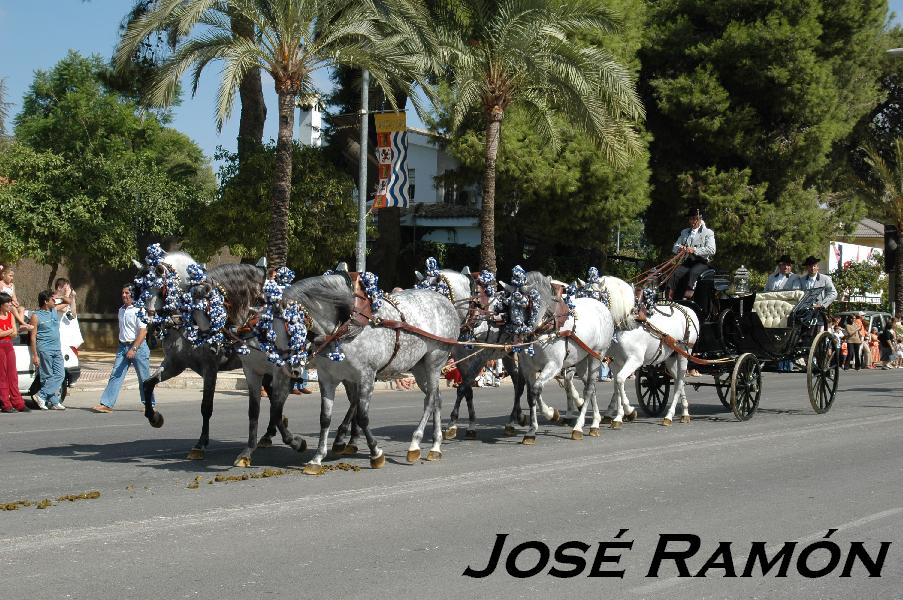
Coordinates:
column 740, row 285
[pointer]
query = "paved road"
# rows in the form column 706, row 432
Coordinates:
column 410, row 530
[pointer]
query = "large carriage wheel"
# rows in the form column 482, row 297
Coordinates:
column 746, row 386
column 653, row 387
column 822, row 372
column 723, row 387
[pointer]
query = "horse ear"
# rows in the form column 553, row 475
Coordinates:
column 137, row 264
column 418, row 275
column 262, row 263
column 508, row 288
column 465, row 270
column 342, row 266
column 527, row 288
column 580, row 282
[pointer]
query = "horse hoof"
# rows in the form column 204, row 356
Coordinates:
column 298, row 444
column 433, row 455
column 529, row 440
column 685, row 419
column 379, row 462
column 349, row 450
column 666, row 422
column 576, row 434
column 157, row 420
column 522, row 420
column 413, row 455
column 196, row 454
column 451, row 433
column 470, row 434
column 593, row 432
column 509, row 431
column 265, row 442
column 631, row 417
column 243, row 461
column 312, row 469
column 616, row 424
column 556, row 416
column 606, row 420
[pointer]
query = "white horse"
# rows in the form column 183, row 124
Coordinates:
column 636, row 345
column 579, row 341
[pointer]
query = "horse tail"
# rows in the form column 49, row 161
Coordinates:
column 621, row 300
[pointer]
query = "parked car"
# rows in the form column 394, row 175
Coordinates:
column 29, row 378
column 873, row 318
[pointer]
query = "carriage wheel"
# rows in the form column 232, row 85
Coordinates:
column 746, row 386
column 723, row 387
column 653, row 387
column 821, row 374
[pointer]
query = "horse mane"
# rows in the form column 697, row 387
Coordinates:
column 328, row 298
column 621, row 301
column 243, row 285
column 542, row 284
column 180, row 262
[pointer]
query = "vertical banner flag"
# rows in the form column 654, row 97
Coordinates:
column 392, row 157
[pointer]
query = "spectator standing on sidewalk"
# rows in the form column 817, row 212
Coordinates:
column 70, row 332
column 46, row 353
column 10, row 399
column 8, row 287
column 132, row 350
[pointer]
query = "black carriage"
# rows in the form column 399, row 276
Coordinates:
column 743, row 334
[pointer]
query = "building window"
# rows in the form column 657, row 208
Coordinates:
column 411, row 183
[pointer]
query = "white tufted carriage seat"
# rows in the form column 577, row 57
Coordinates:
column 773, row 308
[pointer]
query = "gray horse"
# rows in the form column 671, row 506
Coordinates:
column 355, row 346
column 178, row 353
column 239, row 290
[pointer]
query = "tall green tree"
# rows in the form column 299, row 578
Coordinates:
column 292, row 40
column 767, row 86
column 885, row 189
column 528, row 54
column 92, row 173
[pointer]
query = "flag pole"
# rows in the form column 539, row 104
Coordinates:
column 361, row 265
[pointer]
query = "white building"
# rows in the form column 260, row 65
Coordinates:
column 449, row 214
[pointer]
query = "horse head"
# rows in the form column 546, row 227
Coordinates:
column 327, row 301
column 161, row 280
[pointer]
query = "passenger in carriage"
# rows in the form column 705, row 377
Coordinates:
column 783, row 278
column 698, row 241
column 815, row 280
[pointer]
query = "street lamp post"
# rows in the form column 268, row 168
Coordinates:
column 361, row 264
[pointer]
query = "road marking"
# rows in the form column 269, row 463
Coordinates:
column 11, row 546
column 739, row 565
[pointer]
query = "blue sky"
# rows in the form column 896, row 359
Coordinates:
column 35, row 34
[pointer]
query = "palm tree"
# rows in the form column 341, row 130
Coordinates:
column 292, row 40
column 885, row 188
column 527, row 53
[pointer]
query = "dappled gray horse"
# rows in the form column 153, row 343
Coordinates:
column 236, row 291
column 356, row 342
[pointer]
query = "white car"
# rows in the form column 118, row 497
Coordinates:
column 30, row 381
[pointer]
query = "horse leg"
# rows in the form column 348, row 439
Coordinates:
column 282, row 386
column 452, row 431
column 471, row 433
column 518, row 381
column 349, row 423
column 426, row 373
column 197, row 453
column 167, row 370
column 630, row 365
column 254, row 381
column 574, row 400
column 377, row 458
column 327, row 398
column 266, row 441
column 423, row 383
column 585, row 372
column 535, row 383
column 677, row 368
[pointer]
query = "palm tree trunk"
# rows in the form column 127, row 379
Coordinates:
column 898, row 283
column 281, row 190
column 253, row 107
column 487, row 214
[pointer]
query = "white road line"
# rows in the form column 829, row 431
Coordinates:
column 664, row 584
column 11, row 546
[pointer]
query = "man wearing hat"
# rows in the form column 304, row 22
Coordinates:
column 815, row 280
column 698, row 241
column 784, row 278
